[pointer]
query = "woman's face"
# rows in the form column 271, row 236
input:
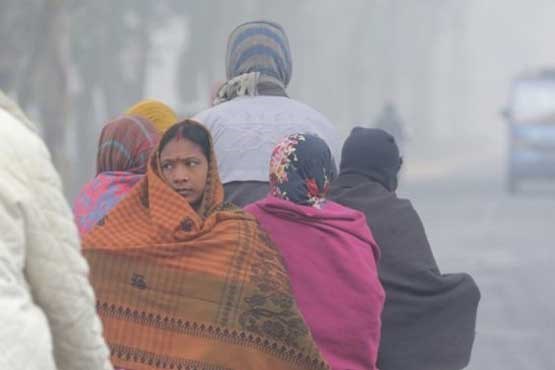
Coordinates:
column 185, row 168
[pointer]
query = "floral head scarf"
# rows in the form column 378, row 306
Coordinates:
column 301, row 169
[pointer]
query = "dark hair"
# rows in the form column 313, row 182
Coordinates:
column 189, row 130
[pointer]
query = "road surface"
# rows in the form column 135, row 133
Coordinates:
column 507, row 243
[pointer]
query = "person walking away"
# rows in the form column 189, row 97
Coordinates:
column 48, row 315
column 390, row 121
column 123, row 151
column 253, row 112
column 328, row 251
column 429, row 318
column 155, row 111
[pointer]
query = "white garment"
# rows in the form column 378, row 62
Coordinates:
column 48, row 319
column 246, row 129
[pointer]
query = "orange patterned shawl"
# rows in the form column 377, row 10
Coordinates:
column 178, row 289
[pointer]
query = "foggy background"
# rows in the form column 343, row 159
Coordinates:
column 446, row 64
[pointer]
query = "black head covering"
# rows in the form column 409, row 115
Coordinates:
column 373, row 153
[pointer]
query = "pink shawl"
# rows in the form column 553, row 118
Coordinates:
column 100, row 195
column 331, row 257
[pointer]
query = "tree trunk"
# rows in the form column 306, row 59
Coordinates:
column 46, row 79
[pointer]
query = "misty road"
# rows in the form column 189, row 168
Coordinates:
column 506, row 243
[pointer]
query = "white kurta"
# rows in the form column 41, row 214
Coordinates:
column 246, row 129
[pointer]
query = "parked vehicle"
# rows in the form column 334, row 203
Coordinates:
column 530, row 117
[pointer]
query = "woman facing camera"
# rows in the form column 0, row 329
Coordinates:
column 186, row 282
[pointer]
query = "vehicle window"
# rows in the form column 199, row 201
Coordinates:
column 533, row 100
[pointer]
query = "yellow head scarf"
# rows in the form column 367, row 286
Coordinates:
column 161, row 116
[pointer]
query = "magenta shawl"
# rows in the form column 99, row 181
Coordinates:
column 331, row 257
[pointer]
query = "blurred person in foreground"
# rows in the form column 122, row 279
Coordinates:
column 186, row 282
column 48, row 319
column 123, row 151
column 156, row 112
column 252, row 111
column 429, row 318
column 328, row 251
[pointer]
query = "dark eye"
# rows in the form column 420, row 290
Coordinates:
column 167, row 166
column 193, row 163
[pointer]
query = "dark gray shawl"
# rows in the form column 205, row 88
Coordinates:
column 243, row 193
column 429, row 318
